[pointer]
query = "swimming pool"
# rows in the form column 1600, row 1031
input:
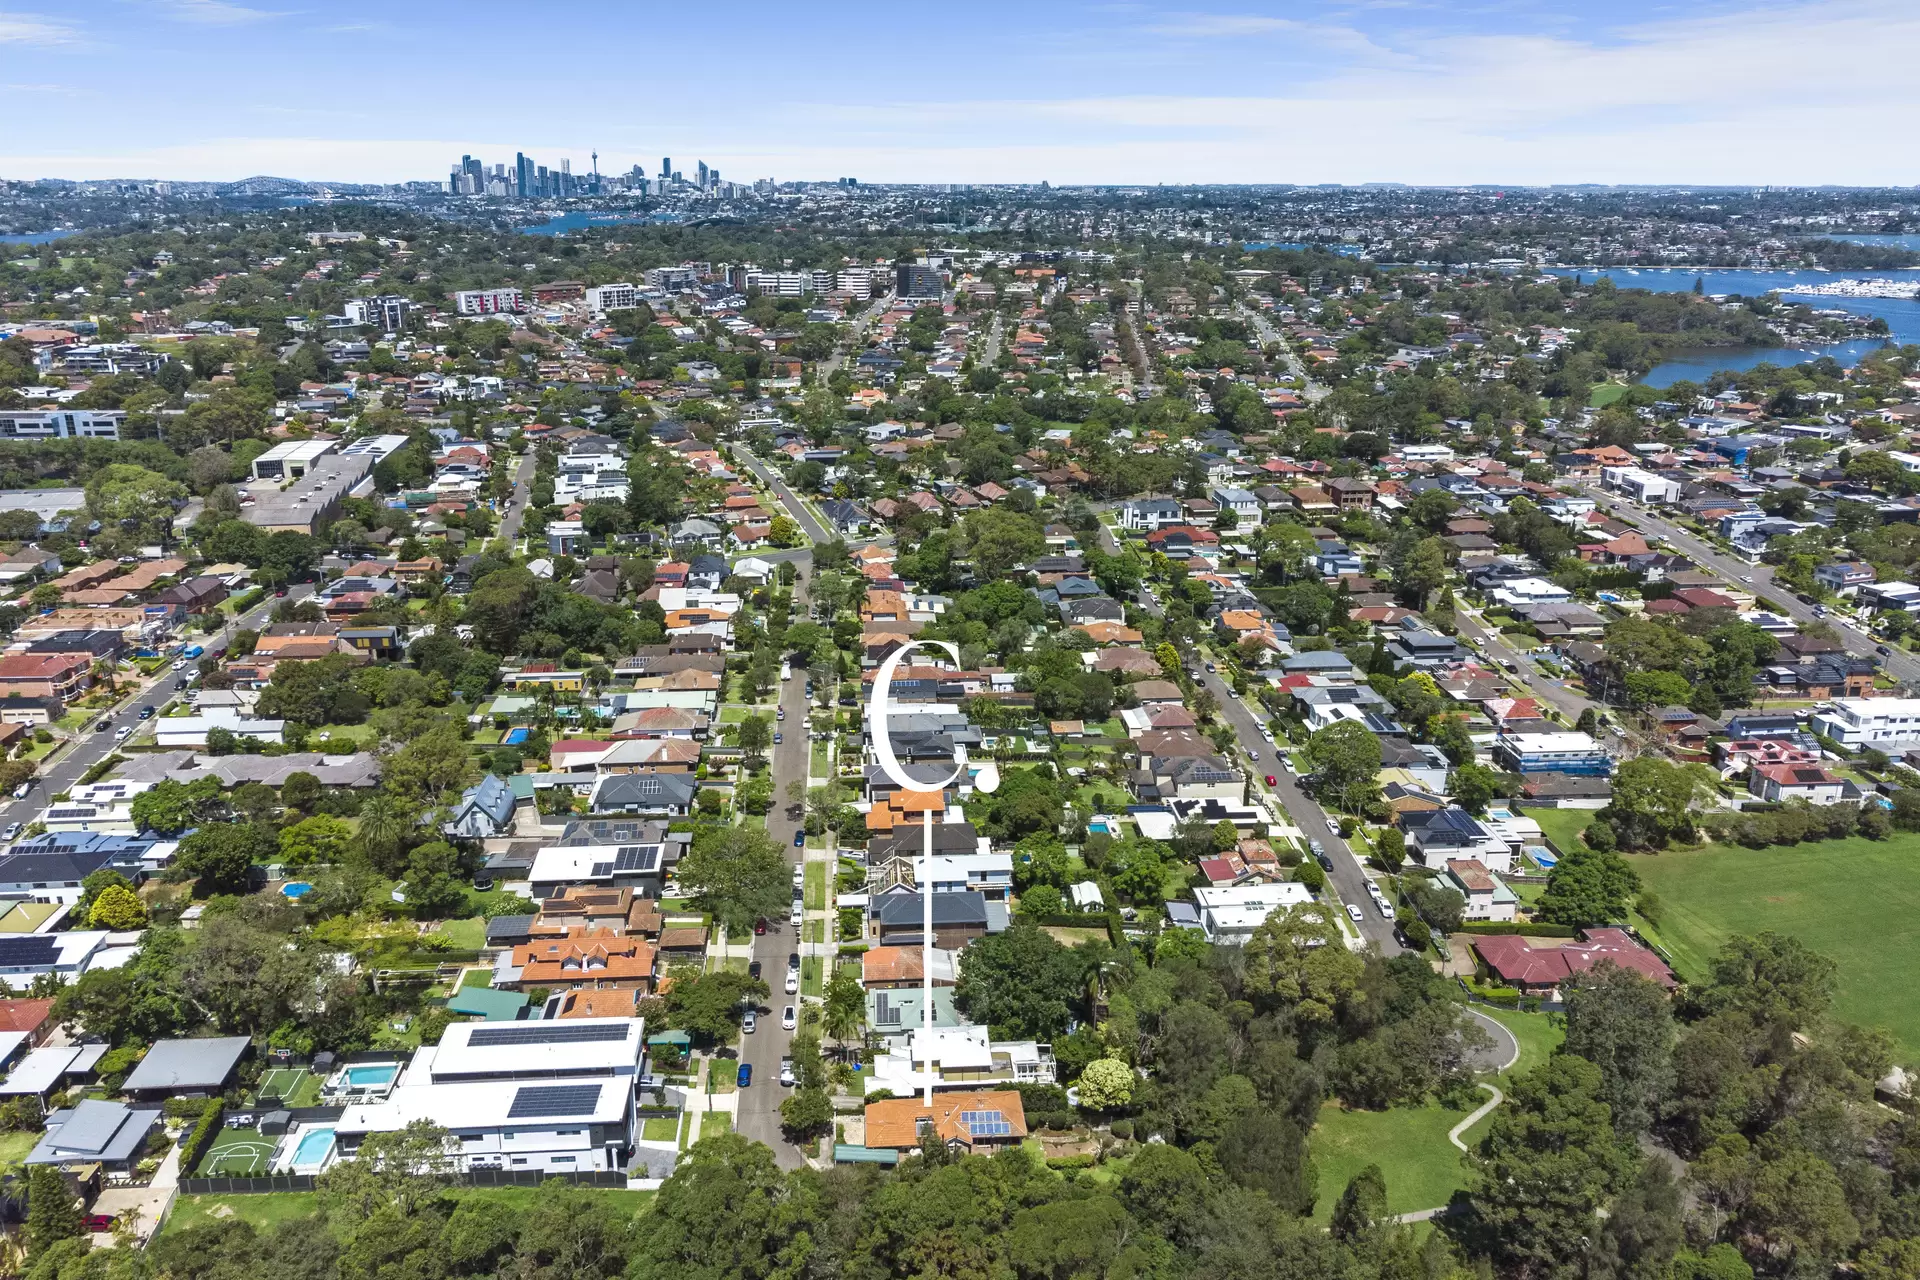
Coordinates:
column 515, row 737
column 314, row 1145
column 296, row 889
column 371, row 1076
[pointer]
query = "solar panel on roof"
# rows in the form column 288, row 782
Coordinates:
column 589, row 1033
column 533, row 1101
column 28, row 951
column 986, row 1124
column 633, row 860
column 602, row 869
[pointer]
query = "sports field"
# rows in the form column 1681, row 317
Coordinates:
column 1853, row 900
column 294, row 1086
column 237, row 1153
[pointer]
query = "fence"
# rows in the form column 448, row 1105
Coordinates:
column 277, row 1182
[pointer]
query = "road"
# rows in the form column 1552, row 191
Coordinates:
column 990, row 354
column 758, row 1114
column 1347, row 877
column 1498, row 648
column 1313, row 391
column 1902, row 666
column 859, row 331
column 517, row 505
column 91, row 746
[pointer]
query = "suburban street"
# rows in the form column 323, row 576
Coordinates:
column 1349, row 880
column 517, row 505
column 1758, row 578
column 91, row 745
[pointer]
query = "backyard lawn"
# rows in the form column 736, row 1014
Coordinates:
column 1562, row 826
column 1410, row 1145
column 284, row 1206
column 15, row 1146
column 1852, row 900
column 467, row 935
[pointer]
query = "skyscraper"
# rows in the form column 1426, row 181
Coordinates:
column 523, row 177
column 666, row 168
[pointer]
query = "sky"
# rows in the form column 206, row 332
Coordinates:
column 1503, row 91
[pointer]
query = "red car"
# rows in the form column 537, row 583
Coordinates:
column 1269, row 779
column 759, row 926
column 99, row 1222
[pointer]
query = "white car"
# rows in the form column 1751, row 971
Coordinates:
column 788, row 1019
column 749, row 1022
column 123, row 733
column 179, row 664
column 793, row 981
column 786, row 1073
column 1353, row 913
column 1286, row 762
column 1333, row 826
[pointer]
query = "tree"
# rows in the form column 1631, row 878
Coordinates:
column 755, row 735
column 845, row 1007
column 1442, row 906
column 1265, row 1151
column 1549, row 1162
column 1298, row 958
column 320, row 839
column 1587, row 887
column 1345, row 759
column 219, row 858
column 1022, row 982
column 707, row 1006
column 738, row 876
column 118, row 908
column 53, row 1213
column 1474, row 786
column 723, row 1213
column 1770, row 979
column 806, row 1114
column 398, row 1170
column 1422, row 571
column 170, row 807
column 301, row 791
column 1623, row 1024
column 133, row 498
column 1106, row 1085
column 1651, row 803
column 386, row 824
column 1364, row 1202
column 1796, row 1216
column 1643, row 1229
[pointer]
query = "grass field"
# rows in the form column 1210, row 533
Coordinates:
column 237, row 1153
column 283, row 1206
column 660, row 1128
column 816, row 886
column 295, row 1086
column 15, row 1146
column 1538, row 1034
column 1562, row 826
column 1852, row 900
column 1605, row 394
column 1410, row 1145
column 466, row 935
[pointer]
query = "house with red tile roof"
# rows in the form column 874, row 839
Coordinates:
column 1541, row 966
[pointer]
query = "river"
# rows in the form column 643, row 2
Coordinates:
column 1901, row 314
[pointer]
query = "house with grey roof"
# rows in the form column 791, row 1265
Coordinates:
column 485, row 809
column 110, row 1134
column 651, row 793
column 173, row 1068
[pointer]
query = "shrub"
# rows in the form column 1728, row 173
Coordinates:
column 1122, row 1129
column 211, row 1118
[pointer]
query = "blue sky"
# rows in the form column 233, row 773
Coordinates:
column 1506, row 91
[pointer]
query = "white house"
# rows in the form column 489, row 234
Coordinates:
column 1487, row 897
column 1144, row 515
column 543, row 1097
column 1641, row 485
column 1244, row 505
column 1519, row 592
column 1230, row 915
column 1809, row 782
column 963, row 1057
column 1889, row 724
column 175, row 732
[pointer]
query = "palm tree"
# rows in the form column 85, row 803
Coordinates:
column 384, row 825
column 103, row 669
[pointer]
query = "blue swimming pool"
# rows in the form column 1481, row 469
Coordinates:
column 368, row 1077
column 515, row 737
column 313, row 1148
column 296, row 889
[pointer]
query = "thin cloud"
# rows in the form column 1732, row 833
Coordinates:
column 215, row 13
column 34, row 29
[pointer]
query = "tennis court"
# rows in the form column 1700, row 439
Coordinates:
column 294, row 1086
column 237, row 1153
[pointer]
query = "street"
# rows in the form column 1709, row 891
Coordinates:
column 1348, row 879
column 517, row 505
column 1758, row 578
column 91, row 745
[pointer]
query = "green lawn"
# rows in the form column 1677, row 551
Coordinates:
column 1410, row 1145
column 1605, row 394
column 816, row 886
column 1852, row 900
column 238, row 1153
column 660, row 1128
column 1539, row 1034
column 283, row 1206
column 1562, row 826
column 14, row 1147
column 466, row 935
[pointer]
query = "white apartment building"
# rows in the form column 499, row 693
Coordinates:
column 612, row 297
column 291, row 459
column 1425, row 453
column 487, row 302
column 1888, row 724
column 964, row 1057
column 550, row 1097
column 61, row 424
column 1640, row 485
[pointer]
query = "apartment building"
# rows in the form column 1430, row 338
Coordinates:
column 487, row 302
column 1887, row 724
column 61, row 424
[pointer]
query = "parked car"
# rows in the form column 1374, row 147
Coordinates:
column 786, row 1073
column 759, row 927
column 1316, row 847
column 749, row 1022
column 1353, row 914
column 745, row 1078
column 1271, row 780
column 753, row 967
column 1883, row 650
column 124, row 732
column 788, row 1020
column 776, row 737
column 99, row 1221
column 12, row 832
column 1333, row 826
column 146, row 713
column 800, row 838
column 1253, row 755
column 779, row 713
column 1211, row 668
column 1326, row 863
column 793, row 981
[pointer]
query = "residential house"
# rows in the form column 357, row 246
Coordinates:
column 969, row 1122
column 1809, row 782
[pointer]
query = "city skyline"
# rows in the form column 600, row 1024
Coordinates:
column 1728, row 94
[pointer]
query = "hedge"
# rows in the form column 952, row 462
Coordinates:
column 1524, row 930
column 211, row 1119
column 1506, row 996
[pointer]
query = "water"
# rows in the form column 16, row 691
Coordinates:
column 367, row 1077
column 580, row 220
column 1901, row 314
column 39, row 237
column 314, row 1145
column 1344, row 250
column 296, row 889
column 1910, row 241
